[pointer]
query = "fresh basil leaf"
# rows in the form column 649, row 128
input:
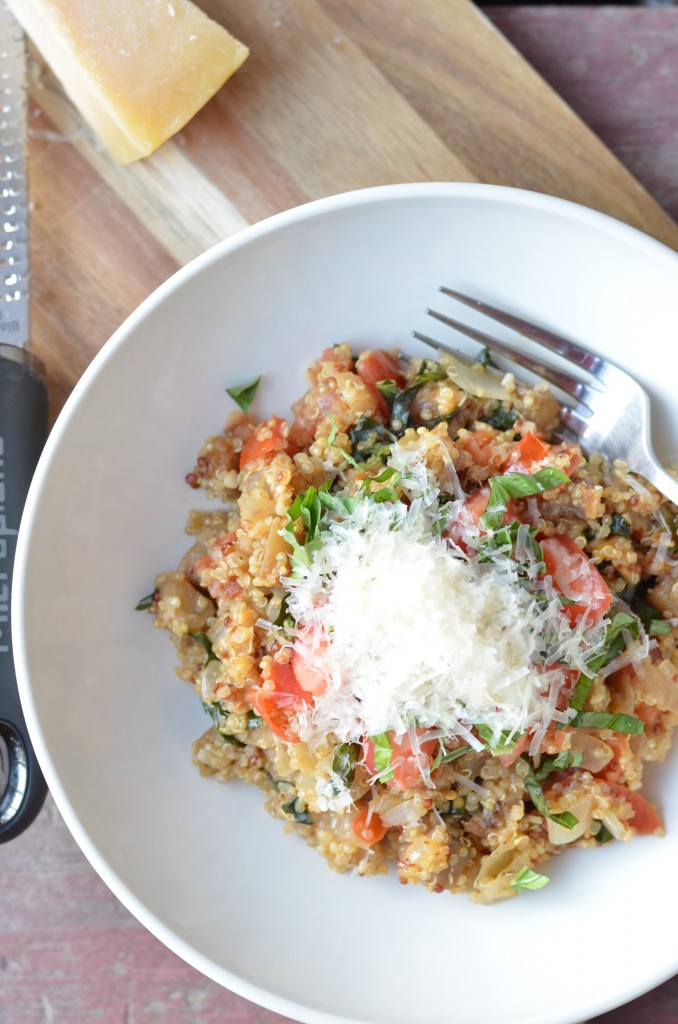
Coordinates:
column 244, row 395
column 206, row 643
column 659, row 627
column 297, row 809
column 619, row 526
column 536, row 795
column 603, row 720
column 518, row 485
column 558, row 762
column 346, row 756
column 145, row 602
column 529, row 879
column 383, row 752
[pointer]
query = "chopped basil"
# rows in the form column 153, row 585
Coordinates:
column 504, row 540
column 603, row 720
column 309, row 508
column 428, row 372
column 603, row 835
column 444, row 758
column 558, row 762
column 518, row 485
column 216, row 712
column 331, row 439
column 383, row 752
column 297, row 809
column 204, row 640
column 145, row 602
column 501, row 418
column 651, row 618
column 244, row 395
column 581, row 692
column 619, row 526
column 254, row 721
column 506, row 743
column 484, row 357
column 399, row 400
column 346, row 756
column 385, row 493
column 621, row 626
column 536, row 795
column 370, row 439
column 529, row 879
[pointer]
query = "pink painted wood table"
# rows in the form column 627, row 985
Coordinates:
column 70, row 953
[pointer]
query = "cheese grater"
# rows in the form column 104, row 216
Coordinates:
column 23, row 420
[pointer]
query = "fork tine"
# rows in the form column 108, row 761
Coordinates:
column 554, row 342
column 570, row 385
column 575, row 422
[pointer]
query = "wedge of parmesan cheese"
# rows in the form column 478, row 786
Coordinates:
column 137, row 70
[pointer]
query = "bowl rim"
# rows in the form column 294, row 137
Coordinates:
column 499, row 194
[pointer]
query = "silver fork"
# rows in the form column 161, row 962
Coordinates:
column 610, row 411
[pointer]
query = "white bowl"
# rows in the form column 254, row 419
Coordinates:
column 201, row 865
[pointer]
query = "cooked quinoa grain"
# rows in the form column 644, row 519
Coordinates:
column 458, row 801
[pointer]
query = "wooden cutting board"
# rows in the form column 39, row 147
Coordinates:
column 336, row 95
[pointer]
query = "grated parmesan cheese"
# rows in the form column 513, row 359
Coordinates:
column 413, row 631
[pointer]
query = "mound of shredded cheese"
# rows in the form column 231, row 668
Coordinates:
column 411, row 630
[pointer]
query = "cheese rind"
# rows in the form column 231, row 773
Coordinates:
column 137, row 70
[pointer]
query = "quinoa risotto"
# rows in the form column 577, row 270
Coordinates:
column 433, row 633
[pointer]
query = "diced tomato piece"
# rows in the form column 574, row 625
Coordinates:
column 468, row 517
column 645, row 820
column 368, row 827
column 531, row 454
column 576, row 577
column 527, row 455
column 521, row 746
column 307, row 664
column 280, row 706
column 368, row 751
column 407, row 767
column 376, row 366
column 373, row 367
column 267, row 439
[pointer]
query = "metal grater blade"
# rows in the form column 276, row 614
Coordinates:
column 14, row 319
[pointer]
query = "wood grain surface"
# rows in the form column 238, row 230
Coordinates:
column 338, row 94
